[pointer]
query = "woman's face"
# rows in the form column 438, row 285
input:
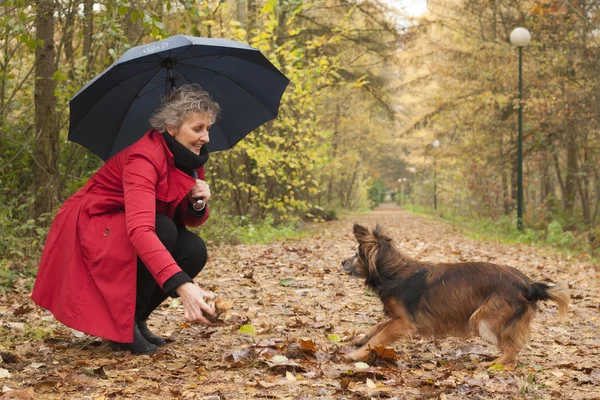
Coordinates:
column 193, row 132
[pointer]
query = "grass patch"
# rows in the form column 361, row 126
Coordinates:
column 11, row 272
column 229, row 229
column 504, row 230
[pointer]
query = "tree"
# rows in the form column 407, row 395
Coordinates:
column 46, row 153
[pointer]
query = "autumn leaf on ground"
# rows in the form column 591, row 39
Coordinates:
column 247, row 329
column 278, row 334
column 287, row 282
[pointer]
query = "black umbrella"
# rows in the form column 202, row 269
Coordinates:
column 112, row 110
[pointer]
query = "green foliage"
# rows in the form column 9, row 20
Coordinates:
column 11, row 272
column 304, row 165
column 377, row 191
column 469, row 101
column 557, row 236
column 319, row 214
column 225, row 228
column 21, row 237
column 505, row 229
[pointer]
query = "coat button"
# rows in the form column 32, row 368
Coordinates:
column 107, row 232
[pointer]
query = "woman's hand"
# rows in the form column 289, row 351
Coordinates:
column 194, row 304
column 199, row 191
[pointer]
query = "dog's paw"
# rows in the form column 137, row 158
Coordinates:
column 355, row 355
column 359, row 341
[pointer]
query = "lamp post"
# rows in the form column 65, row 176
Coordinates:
column 520, row 37
column 435, row 144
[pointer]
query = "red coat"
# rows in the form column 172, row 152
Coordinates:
column 87, row 273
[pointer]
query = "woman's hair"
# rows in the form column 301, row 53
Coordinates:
column 176, row 106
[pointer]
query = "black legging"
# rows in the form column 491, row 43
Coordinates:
column 188, row 250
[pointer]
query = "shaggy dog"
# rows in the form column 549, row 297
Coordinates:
column 494, row 302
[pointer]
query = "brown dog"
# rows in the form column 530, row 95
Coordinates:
column 494, row 302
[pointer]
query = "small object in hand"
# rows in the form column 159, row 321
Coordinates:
column 199, row 205
column 220, row 306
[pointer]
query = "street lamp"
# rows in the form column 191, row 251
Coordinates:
column 435, row 144
column 520, row 37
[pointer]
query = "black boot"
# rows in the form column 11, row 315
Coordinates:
column 149, row 336
column 140, row 345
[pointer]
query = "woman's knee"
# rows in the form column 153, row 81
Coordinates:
column 166, row 230
column 190, row 252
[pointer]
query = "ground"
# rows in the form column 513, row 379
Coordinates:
column 294, row 314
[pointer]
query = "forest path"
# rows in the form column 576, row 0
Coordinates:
column 299, row 310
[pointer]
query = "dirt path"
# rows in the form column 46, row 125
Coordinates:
column 304, row 310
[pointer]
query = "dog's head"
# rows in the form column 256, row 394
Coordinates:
column 373, row 247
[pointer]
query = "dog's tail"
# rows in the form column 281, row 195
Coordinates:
column 541, row 291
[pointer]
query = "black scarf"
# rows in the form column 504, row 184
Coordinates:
column 185, row 159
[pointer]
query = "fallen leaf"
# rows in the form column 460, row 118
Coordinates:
column 24, row 394
column 344, row 383
column 4, row 373
column 45, row 386
column 361, row 365
column 247, row 329
column 287, row 282
column 386, row 353
column 371, row 384
column 290, row 377
column 19, row 326
column 307, row 346
column 279, row 359
column 21, row 310
column 174, row 303
column 334, row 338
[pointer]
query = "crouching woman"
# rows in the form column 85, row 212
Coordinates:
column 119, row 246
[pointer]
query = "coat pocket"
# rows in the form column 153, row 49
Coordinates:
column 103, row 233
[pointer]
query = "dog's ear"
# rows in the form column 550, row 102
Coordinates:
column 361, row 233
column 380, row 234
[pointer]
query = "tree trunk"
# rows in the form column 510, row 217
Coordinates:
column 45, row 188
column 546, row 186
column 240, row 11
column 250, row 19
column 504, row 179
column 88, row 30
column 68, row 33
column 133, row 30
column 333, row 154
column 571, row 176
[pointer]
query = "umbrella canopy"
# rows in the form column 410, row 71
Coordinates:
column 111, row 111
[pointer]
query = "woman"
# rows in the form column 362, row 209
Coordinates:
column 118, row 247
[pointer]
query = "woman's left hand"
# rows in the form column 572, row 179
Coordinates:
column 199, row 191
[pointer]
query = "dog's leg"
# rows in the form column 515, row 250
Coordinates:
column 500, row 323
column 389, row 332
column 362, row 339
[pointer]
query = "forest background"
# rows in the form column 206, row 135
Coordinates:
column 371, row 90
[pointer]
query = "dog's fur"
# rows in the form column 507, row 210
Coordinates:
column 494, row 302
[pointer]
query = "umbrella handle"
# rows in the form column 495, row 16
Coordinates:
column 199, row 204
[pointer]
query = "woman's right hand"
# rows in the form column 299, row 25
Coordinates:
column 194, row 303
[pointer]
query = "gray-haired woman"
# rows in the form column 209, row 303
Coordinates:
column 119, row 246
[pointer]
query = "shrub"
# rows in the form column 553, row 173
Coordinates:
column 556, row 235
column 376, row 192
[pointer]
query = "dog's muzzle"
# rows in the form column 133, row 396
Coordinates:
column 349, row 266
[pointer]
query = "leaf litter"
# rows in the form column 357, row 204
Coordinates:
column 290, row 317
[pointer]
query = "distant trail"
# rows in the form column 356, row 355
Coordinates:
column 295, row 290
